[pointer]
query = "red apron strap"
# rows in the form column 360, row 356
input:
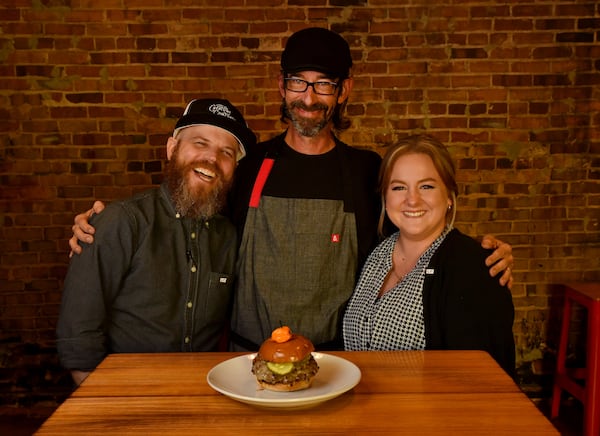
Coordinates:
column 260, row 181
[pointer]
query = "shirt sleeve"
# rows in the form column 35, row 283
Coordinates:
column 92, row 281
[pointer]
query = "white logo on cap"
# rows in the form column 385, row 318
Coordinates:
column 221, row 110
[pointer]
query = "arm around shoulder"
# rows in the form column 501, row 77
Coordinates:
column 82, row 229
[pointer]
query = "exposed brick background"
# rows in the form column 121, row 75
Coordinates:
column 89, row 95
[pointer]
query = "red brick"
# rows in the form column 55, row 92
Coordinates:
column 90, row 94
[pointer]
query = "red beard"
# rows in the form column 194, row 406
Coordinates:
column 195, row 200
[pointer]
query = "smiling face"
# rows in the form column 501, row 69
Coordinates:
column 202, row 160
column 308, row 111
column 416, row 199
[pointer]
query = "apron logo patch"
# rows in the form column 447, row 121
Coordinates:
column 335, row 237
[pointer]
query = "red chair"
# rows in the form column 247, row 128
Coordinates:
column 587, row 295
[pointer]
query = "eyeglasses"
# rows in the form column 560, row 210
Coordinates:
column 299, row 85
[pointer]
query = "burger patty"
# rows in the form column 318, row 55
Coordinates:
column 303, row 370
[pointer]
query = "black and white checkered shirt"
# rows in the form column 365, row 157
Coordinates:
column 395, row 320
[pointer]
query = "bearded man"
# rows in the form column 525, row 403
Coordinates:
column 306, row 204
column 159, row 275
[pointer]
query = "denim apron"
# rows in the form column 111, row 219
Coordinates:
column 296, row 266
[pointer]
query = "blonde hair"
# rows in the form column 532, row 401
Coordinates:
column 442, row 161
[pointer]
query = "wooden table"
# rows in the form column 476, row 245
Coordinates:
column 408, row 392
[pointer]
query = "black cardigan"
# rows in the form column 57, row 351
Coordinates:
column 463, row 306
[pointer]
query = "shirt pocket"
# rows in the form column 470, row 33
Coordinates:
column 220, row 293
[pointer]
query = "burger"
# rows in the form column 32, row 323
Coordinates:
column 285, row 362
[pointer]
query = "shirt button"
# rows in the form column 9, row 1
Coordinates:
column 206, row 224
column 193, row 235
column 193, row 269
column 177, row 215
column 187, row 340
column 189, row 304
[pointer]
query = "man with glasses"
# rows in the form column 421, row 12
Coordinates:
column 305, row 205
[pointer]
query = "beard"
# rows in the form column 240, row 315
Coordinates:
column 200, row 201
column 307, row 126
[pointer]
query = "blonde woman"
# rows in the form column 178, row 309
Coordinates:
column 426, row 286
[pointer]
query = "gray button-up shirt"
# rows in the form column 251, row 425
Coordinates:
column 152, row 281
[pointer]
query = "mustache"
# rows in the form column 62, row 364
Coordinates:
column 204, row 164
column 312, row 108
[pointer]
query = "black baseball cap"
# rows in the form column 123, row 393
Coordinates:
column 220, row 113
column 317, row 49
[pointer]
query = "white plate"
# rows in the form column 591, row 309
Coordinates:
column 235, row 379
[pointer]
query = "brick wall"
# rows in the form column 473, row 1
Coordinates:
column 88, row 96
